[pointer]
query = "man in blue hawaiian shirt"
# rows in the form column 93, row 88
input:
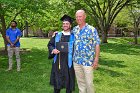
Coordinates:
column 86, row 53
column 13, row 35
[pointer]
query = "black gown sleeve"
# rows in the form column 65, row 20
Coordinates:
column 51, row 46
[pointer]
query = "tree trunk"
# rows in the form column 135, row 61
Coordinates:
column 136, row 34
column 3, row 31
column 136, row 40
column 104, row 36
column 26, row 29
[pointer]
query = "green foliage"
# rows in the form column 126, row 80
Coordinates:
column 21, row 10
column 123, row 19
column 45, row 15
column 102, row 12
column 127, row 16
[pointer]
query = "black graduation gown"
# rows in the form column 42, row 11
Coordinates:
column 65, row 76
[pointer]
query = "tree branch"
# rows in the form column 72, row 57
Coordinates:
column 115, row 12
column 92, row 8
column 20, row 11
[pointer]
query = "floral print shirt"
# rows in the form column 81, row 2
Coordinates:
column 84, row 46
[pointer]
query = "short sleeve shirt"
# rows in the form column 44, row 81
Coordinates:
column 84, row 47
column 13, row 34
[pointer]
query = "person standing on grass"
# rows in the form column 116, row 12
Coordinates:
column 62, row 74
column 86, row 53
column 13, row 35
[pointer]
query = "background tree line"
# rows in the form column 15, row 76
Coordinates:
column 45, row 15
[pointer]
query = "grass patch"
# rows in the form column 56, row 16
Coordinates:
column 119, row 70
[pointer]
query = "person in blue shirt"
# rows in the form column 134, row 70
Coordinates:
column 13, row 35
column 86, row 53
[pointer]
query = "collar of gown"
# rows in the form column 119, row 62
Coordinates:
column 66, row 33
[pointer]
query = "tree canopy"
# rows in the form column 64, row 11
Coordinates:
column 45, row 15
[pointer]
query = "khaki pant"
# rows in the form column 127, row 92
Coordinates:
column 11, row 51
column 84, row 76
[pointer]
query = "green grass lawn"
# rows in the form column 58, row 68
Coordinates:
column 119, row 70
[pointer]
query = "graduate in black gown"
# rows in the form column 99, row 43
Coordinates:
column 62, row 74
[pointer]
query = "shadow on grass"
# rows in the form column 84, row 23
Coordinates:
column 112, row 63
column 36, row 59
column 2, row 52
column 115, row 48
column 109, row 72
column 34, row 75
column 107, row 65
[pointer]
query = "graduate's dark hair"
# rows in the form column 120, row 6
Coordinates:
column 14, row 22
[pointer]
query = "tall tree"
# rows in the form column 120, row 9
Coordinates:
column 10, row 9
column 135, row 14
column 104, row 12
